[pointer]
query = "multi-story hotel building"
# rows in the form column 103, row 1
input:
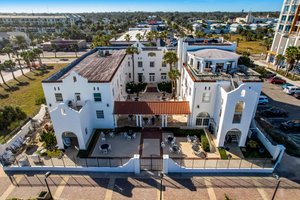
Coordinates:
column 287, row 32
column 213, row 91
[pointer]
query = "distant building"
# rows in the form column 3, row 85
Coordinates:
column 64, row 45
column 287, row 32
column 250, row 19
column 39, row 23
column 10, row 36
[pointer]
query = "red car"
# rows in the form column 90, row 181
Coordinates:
column 277, row 80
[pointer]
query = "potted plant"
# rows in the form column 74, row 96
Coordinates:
column 44, row 195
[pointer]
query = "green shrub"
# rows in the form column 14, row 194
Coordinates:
column 165, row 87
column 223, row 153
column 132, row 88
column 9, row 116
column 40, row 101
column 49, row 139
column 252, row 144
column 204, row 143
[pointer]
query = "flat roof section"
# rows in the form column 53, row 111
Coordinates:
column 96, row 68
column 152, row 108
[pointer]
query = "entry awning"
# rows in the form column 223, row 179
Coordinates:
column 151, row 108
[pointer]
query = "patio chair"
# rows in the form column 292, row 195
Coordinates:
column 109, row 148
column 163, row 145
column 104, row 151
column 111, row 134
column 189, row 139
column 103, row 139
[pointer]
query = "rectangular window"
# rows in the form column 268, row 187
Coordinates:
column 163, row 76
column 164, row 65
column 58, row 97
column 97, row 97
column 152, row 64
column 128, row 63
column 192, row 61
column 140, row 64
column 129, row 75
column 99, row 114
column 206, row 97
column 239, row 108
column 77, row 96
column 151, row 77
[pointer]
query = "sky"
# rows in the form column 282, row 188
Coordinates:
column 79, row 6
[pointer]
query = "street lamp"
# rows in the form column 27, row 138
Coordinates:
column 46, row 176
column 278, row 182
column 161, row 184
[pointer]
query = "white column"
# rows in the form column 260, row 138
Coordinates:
column 165, row 164
column 136, row 159
column 141, row 121
column 166, row 120
column 162, row 121
column 116, row 120
column 137, row 120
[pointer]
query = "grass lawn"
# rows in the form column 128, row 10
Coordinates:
column 253, row 47
column 25, row 93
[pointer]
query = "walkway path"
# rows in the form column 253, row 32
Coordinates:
column 124, row 186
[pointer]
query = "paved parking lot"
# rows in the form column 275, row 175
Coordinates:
column 146, row 187
column 281, row 100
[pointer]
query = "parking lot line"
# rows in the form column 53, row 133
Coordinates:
column 110, row 189
column 210, row 189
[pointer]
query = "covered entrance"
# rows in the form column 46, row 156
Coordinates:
column 70, row 140
column 151, row 114
column 203, row 119
column 233, row 137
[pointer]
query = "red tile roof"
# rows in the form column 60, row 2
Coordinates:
column 152, row 108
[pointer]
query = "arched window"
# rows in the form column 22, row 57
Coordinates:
column 238, row 112
column 202, row 119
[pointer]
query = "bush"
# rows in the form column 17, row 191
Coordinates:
column 49, row 139
column 40, row 101
column 245, row 60
column 165, row 87
column 252, row 144
column 223, row 153
column 132, row 88
column 204, row 143
column 9, row 116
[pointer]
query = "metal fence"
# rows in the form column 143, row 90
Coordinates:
column 195, row 163
column 72, row 162
column 153, row 163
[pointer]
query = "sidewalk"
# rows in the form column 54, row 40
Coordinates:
column 265, row 64
column 8, row 76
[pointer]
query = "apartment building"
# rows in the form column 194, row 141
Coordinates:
column 213, row 91
column 39, row 23
column 287, row 31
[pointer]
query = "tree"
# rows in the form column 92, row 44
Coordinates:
column 150, row 36
column 279, row 58
column 54, row 48
column 132, row 51
column 25, row 56
column 75, row 47
column 290, row 56
column 267, row 43
column 170, row 58
column 38, row 53
column 20, row 42
column 2, row 68
column 200, row 34
column 19, row 62
column 8, row 50
column 139, row 36
column 174, row 75
column 127, row 38
column 9, row 64
column 101, row 40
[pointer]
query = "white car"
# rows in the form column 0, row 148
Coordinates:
column 263, row 100
column 291, row 90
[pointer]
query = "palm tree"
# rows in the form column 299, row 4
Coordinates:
column 8, row 50
column 150, row 36
column 170, row 58
column 54, row 48
column 127, row 38
column 9, row 64
column 174, row 75
column 19, row 62
column 32, row 57
column 2, row 68
column 200, row 34
column 291, row 55
column 38, row 53
column 164, row 35
column 75, row 47
column 268, row 43
column 139, row 36
column 132, row 51
column 25, row 55
column 20, row 42
column 279, row 58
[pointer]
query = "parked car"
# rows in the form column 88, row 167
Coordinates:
column 277, row 80
column 292, row 125
column 263, row 100
column 297, row 95
column 274, row 112
column 286, row 85
column 292, row 90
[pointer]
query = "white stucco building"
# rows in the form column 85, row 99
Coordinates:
column 213, row 91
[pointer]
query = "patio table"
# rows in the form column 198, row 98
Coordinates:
column 104, row 146
column 170, row 139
